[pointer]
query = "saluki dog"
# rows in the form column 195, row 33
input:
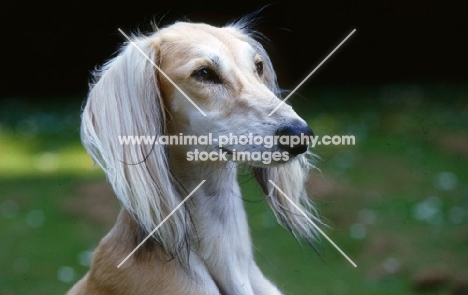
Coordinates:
column 153, row 87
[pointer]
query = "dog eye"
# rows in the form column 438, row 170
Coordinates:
column 259, row 67
column 206, row 75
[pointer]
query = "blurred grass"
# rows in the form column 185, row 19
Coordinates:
column 396, row 202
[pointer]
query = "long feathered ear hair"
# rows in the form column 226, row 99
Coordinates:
column 290, row 177
column 125, row 100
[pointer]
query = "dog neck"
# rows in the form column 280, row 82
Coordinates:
column 217, row 205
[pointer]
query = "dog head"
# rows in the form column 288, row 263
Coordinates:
column 227, row 74
column 161, row 84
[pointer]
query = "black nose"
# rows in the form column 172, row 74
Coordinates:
column 294, row 137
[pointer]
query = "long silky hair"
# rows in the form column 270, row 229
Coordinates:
column 125, row 100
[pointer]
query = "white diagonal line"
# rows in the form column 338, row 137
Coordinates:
column 313, row 223
column 311, row 73
column 159, row 69
column 160, row 224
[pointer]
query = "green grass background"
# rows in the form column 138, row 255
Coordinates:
column 396, row 202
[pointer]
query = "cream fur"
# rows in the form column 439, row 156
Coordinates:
column 204, row 248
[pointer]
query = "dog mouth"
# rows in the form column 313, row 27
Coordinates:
column 258, row 158
column 227, row 151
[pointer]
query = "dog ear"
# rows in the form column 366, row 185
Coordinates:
column 291, row 178
column 126, row 101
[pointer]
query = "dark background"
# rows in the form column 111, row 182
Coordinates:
column 49, row 49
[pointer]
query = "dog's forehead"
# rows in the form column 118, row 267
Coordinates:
column 201, row 37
